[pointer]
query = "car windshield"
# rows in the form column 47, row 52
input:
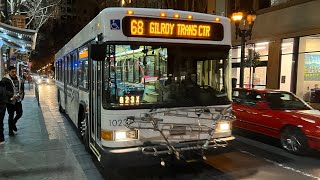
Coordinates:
column 285, row 101
column 154, row 75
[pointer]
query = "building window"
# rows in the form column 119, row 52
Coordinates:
column 277, row 2
column 269, row 3
column 308, row 73
column 264, row 4
column 253, row 76
column 286, row 64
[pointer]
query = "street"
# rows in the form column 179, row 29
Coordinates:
column 243, row 159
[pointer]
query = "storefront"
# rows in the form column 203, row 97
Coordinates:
column 287, row 37
column 302, row 77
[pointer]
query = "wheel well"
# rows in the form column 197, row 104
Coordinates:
column 290, row 126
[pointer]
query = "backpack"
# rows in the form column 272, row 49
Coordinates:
column 3, row 95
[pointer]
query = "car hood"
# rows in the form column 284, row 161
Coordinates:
column 312, row 116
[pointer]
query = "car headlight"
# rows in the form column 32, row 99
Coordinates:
column 223, row 126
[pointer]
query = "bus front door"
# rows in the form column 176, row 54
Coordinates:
column 95, row 107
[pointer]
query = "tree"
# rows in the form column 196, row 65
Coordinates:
column 37, row 12
column 252, row 60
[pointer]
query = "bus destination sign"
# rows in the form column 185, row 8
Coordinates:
column 170, row 28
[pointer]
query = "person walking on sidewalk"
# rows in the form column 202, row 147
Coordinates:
column 15, row 85
column 4, row 97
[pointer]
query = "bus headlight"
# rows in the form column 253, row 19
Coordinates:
column 119, row 135
column 126, row 135
column 223, row 126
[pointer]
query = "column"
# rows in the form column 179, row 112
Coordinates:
column 273, row 68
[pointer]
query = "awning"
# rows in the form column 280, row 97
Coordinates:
column 18, row 38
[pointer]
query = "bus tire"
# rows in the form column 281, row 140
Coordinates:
column 86, row 138
column 83, row 128
column 61, row 110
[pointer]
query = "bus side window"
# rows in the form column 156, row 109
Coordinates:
column 63, row 69
column 85, row 73
column 60, row 70
column 80, row 78
column 70, row 62
column 75, row 69
column 56, row 73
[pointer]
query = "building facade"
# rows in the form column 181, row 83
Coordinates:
column 286, row 34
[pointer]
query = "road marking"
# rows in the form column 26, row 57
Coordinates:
column 282, row 165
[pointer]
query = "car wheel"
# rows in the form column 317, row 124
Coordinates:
column 293, row 140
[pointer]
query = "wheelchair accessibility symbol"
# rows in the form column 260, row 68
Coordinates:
column 115, row 24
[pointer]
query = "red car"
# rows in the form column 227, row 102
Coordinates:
column 278, row 114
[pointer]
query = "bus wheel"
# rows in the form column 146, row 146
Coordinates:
column 61, row 110
column 83, row 129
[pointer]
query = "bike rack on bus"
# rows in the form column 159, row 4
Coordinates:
column 150, row 122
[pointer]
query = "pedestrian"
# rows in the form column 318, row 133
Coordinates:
column 15, row 85
column 4, row 97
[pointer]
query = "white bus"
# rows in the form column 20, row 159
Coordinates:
column 150, row 83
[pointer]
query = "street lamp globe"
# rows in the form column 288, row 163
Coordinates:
column 251, row 16
column 237, row 16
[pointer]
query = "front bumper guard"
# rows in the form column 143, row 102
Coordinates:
column 156, row 124
column 186, row 146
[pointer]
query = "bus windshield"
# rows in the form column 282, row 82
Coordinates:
column 176, row 76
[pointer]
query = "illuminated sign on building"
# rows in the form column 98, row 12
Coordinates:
column 169, row 28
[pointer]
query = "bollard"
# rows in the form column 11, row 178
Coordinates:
column 36, row 89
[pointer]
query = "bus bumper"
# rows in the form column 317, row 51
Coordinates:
column 150, row 154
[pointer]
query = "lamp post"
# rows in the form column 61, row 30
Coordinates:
column 244, row 23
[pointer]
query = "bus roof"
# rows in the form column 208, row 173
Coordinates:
column 101, row 24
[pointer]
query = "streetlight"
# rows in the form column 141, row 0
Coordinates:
column 244, row 23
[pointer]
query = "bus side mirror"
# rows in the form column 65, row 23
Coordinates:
column 98, row 52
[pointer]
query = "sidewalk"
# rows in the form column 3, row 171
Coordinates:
column 43, row 147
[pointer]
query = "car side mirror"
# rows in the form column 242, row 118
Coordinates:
column 262, row 105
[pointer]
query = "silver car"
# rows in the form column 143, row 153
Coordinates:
column 43, row 80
